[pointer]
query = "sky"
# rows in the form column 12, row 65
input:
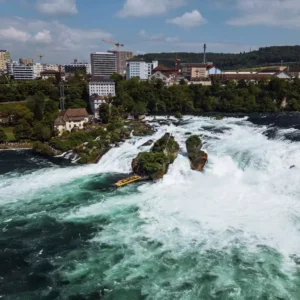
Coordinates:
column 63, row 30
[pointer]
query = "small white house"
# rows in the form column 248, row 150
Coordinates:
column 71, row 118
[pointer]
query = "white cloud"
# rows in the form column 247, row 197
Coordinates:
column 13, row 34
column 143, row 8
column 57, row 7
column 188, row 20
column 43, row 36
column 157, row 38
column 281, row 13
column 154, row 37
column 58, row 42
column 172, row 39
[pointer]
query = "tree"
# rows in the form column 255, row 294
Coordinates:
column 182, row 82
column 23, row 130
column 36, row 104
column 139, row 108
column 104, row 113
column 41, row 132
column 3, row 136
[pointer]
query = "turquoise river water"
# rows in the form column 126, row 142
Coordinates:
column 231, row 232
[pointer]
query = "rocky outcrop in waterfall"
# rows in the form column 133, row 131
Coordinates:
column 198, row 158
column 154, row 164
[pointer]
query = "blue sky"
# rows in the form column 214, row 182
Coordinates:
column 66, row 29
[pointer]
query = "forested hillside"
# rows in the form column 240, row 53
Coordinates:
column 263, row 57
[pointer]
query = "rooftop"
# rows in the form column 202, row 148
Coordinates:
column 109, row 53
column 161, row 68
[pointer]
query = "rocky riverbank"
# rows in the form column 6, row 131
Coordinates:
column 89, row 145
column 12, row 146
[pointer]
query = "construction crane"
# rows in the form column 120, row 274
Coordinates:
column 40, row 56
column 118, row 45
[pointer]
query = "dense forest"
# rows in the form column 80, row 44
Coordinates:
column 137, row 97
column 76, row 90
column 289, row 55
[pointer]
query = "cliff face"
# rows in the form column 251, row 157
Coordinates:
column 198, row 158
column 155, row 164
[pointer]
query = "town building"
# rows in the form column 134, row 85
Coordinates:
column 53, row 67
column 294, row 72
column 103, row 87
column 4, row 59
column 122, row 57
column 194, row 71
column 168, row 76
column 71, row 118
column 137, row 67
column 95, row 103
column 75, row 66
column 103, row 64
column 10, row 67
column 26, row 61
column 213, row 70
column 37, row 69
column 53, row 74
column 251, row 76
column 23, row 72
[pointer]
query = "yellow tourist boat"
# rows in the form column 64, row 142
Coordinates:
column 126, row 181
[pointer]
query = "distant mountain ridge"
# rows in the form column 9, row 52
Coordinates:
column 266, row 56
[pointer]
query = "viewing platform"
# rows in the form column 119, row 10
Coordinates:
column 127, row 181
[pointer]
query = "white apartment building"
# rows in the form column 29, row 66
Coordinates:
column 102, row 88
column 37, row 69
column 139, row 68
column 23, row 72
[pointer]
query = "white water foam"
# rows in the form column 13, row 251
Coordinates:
column 246, row 194
column 117, row 160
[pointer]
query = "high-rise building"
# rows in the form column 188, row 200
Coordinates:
column 22, row 72
column 103, row 64
column 26, row 61
column 137, row 67
column 4, row 59
column 122, row 56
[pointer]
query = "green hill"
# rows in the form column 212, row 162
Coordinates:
column 290, row 55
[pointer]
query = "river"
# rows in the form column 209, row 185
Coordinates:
column 231, row 232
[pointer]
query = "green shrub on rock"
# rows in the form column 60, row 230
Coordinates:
column 178, row 115
column 155, row 164
column 150, row 164
column 42, row 149
column 198, row 158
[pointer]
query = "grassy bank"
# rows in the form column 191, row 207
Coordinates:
column 9, row 132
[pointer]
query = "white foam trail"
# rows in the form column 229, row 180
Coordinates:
column 246, row 194
column 117, row 160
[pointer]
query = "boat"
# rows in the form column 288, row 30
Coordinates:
column 127, row 181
